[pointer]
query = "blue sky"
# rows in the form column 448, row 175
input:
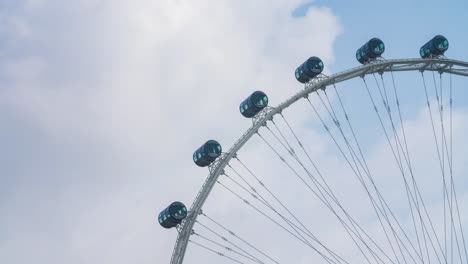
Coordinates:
column 403, row 25
column 103, row 102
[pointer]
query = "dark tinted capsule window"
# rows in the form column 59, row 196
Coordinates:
column 441, row 43
column 259, row 99
column 379, row 48
column 213, row 149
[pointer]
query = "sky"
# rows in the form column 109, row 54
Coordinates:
column 103, row 103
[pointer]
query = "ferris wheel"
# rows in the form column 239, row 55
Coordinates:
column 366, row 181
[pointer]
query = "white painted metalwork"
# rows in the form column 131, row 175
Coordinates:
column 217, row 168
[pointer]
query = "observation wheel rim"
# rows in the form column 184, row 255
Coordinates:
column 442, row 65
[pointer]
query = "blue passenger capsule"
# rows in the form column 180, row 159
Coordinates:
column 371, row 50
column 253, row 104
column 172, row 215
column 309, row 69
column 207, row 153
column 434, row 47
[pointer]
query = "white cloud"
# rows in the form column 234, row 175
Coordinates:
column 106, row 100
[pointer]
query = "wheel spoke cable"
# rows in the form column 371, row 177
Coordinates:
column 407, row 189
column 215, row 252
column 226, row 240
column 296, row 228
column 326, row 258
column 363, row 164
column 227, row 248
column 405, row 142
column 324, row 201
column 238, row 237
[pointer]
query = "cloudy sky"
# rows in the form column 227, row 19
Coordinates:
column 102, row 104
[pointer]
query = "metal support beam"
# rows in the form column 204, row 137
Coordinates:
column 217, row 169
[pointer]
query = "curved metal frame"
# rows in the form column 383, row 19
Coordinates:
column 217, row 168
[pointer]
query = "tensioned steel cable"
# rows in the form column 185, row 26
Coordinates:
column 326, row 258
column 381, row 199
column 347, row 228
column 451, row 171
column 366, row 169
column 453, row 190
column 227, row 248
column 273, row 195
column 326, row 202
column 216, row 252
column 269, row 206
column 408, row 192
column 269, row 191
column 302, row 239
column 452, row 184
column 408, row 160
column 318, row 171
column 384, row 96
column 439, row 155
column 305, row 229
column 285, row 207
column 321, row 176
column 246, row 182
column 375, row 206
column 335, row 120
column 293, row 154
column 444, row 139
column 401, row 170
column 449, row 158
column 228, row 241
column 317, row 184
column 253, row 193
column 418, row 193
column 388, row 111
column 238, row 237
column 443, row 143
column 291, row 151
column 357, row 173
column 402, row 126
column 296, row 228
column 354, row 157
column 307, row 154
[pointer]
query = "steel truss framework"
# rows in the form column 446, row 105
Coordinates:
column 441, row 65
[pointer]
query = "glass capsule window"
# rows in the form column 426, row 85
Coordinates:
column 213, row 149
column 181, row 213
column 379, row 48
column 259, row 99
column 177, row 211
column 443, row 45
column 422, row 53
